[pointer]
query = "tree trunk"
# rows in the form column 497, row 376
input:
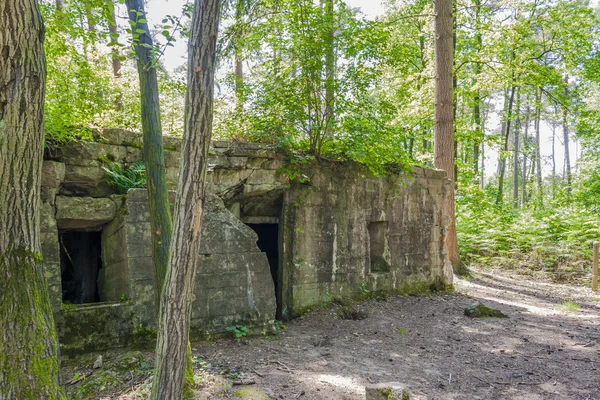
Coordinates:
column 160, row 213
column 29, row 366
column 502, row 158
column 477, row 97
column 239, row 66
column 525, row 145
column 443, row 118
column 158, row 196
column 330, row 71
column 503, row 124
column 538, row 146
column 554, row 158
column 176, row 302
column 516, row 152
column 566, row 140
column 114, row 37
column 89, row 12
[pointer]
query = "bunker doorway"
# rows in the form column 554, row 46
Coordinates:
column 268, row 243
column 80, row 261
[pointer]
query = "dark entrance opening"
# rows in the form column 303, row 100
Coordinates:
column 268, row 243
column 80, row 261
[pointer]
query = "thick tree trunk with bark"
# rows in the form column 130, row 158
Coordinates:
column 160, row 213
column 29, row 366
column 444, row 121
column 176, row 302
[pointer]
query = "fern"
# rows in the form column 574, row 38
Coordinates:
column 124, row 178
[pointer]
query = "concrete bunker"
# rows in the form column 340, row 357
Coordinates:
column 271, row 247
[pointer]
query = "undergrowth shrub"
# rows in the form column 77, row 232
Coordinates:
column 555, row 240
column 125, row 178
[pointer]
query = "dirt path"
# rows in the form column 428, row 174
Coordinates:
column 543, row 351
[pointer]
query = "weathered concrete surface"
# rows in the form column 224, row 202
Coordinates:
column 85, row 328
column 342, row 231
column 327, row 239
column 84, row 212
column 233, row 281
column 51, row 253
column 387, row 391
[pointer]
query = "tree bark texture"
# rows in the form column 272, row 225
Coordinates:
column 29, row 366
column 176, row 302
column 444, row 121
column 158, row 196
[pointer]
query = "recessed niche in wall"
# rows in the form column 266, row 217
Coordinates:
column 378, row 253
column 80, row 261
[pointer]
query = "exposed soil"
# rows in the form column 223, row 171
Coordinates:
column 548, row 348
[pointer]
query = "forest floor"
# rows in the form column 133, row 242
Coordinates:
column 548, row 348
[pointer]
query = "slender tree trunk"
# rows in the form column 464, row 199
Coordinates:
column 502, row 159
column 477, row 97
column 29, row 364
column 553, row 160
column 160, row 213
column 158, row 196
column 239, row 66
column 516, row 151
column 89, row 12
column 538, row 145
column 525, row 145
column 566, row 140
column 330, row 70
column 176, row 302
column 114, row 37
column 503, row 124
column 443, row 109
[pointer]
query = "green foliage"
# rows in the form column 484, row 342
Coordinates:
column 555, row 240
column 238, row 331
column 125, row 178
column 571, row 306
column 278, row 327
column 82, row 91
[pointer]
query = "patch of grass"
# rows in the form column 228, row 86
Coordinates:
column 571, row 305
column 401, row 331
